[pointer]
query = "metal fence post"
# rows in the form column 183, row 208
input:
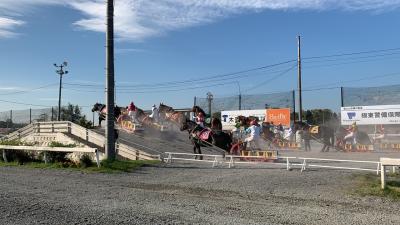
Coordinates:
column 30, row 115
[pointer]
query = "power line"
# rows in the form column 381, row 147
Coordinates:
column 33, row 89
column 271, row 79
column 261, row 73
column 356, row 80
column 23, row 103
column 345, row 63
column 207, row 78
column 352, row 53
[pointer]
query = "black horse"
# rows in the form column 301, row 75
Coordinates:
column 102, row 110
column 206, row 137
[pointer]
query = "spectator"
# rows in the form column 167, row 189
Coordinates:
column 306, row 138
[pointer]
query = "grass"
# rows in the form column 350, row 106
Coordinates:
column 370, row 185
column 116, row 166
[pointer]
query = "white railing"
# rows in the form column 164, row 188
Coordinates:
column 387, row 162
column 306, row 164
column 50, row 149
column 288, row 162
column 215, row 159
column 228, row 159
column 231, row 162
column 83, row 133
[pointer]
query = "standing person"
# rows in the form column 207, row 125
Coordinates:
column 326, row 139
column 132, row 112
column 380, row 135
column 200, row 119
column 154, row 114
column 306, row 138
column 254, row 132
column 353, row 129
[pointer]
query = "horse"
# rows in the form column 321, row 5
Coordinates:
column 168, row 113
column 361, row 138
column 207, row 137
column 102, row 110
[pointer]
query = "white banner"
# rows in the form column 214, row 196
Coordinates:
column 228, row 117
column 371, row 115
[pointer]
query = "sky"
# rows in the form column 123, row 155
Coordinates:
column 165, row 49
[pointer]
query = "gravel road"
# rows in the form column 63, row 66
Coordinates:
column 185, row 193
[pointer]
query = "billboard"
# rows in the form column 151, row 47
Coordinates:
column 278, row 116
column 370, row 115
column 228, row 117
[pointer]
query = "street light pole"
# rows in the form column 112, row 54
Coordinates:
column 61, row 72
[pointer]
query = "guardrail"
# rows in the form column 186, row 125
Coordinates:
column 83, row 133
column 305, row 164
column 49, row 149
column 289, row 162
column 215, row 157
column 227, row 159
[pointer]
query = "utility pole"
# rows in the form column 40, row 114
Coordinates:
column 61, row 72
column 110, row 142
column 209, row 98
column 341, row 97
column 294, row 106
column 299, row 78
column 240, row 96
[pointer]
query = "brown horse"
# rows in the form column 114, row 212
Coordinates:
column 206, row 137
column 102, row 110
column 168, row 113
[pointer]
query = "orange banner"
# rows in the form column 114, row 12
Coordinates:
column 278, row 116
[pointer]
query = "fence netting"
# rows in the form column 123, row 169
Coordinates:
column 256, row 101
column 366, row 96
column 26, row 116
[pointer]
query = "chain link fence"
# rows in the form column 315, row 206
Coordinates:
column 366, row 96
column 247, row 102
column 19, row 118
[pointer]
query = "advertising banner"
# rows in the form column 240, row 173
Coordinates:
column 278, row 116
column 228, row 117
column 370, row 115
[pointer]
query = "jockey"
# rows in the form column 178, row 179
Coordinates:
column 154, row 114
column 380, row 135
column 200, row 119
column 254, row 132
column 132, row 112
column 353, row 129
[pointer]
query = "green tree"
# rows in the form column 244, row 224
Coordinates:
column 73, row 113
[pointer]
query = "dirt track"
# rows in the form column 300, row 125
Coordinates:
column 187, row 194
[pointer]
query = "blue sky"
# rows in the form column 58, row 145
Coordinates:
column 167, row 41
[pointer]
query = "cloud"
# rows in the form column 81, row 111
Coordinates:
column 7, row 25
column 11, row 89
column 137, row 20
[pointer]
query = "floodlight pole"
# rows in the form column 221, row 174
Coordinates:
column 110, row 139
column 61, row 72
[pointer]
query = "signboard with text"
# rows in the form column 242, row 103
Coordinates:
column 228, row 117
column 278, row 116
column 370, row 115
